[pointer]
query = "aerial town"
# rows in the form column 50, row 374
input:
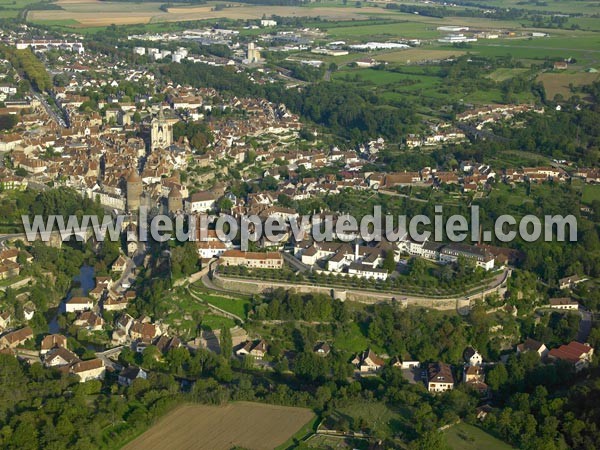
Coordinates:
column 416, row 342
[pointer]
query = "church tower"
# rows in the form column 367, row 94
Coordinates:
column 161, row 134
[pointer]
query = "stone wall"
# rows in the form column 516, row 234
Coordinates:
column 247, row 286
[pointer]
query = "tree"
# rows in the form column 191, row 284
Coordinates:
column 149, row 356
column 225, row 342
column 224, row 204
column 497, row 377
column 389, row 263
column 184, row 259
column 8, row 121
column 310, row 366
column 431, row 440
column 418, row 268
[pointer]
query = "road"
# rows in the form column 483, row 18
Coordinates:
column 585, row 325
column 51, row 112
column 106, row 355
column 8, row 237
column 294, row 262
column 127, row 277
column 398, row 194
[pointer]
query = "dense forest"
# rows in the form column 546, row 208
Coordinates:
column 32, row 68
column 59, row 201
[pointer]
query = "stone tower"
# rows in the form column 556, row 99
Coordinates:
column 175, row 200
column 253, row 54
column 161, row 134
column 134, row 191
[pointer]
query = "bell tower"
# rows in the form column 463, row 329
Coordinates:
column 161, row 134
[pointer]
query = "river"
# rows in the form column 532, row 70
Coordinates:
column 83, row 283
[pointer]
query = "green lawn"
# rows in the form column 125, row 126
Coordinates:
column 591, row 192
column 333, row 442
column 214, row 322
column 238, row 306
column 409, row 30
column 415, row 83
column 11, row 8
column 306, row 430
column 518, row 158
column 402, row 80
column 377, row 416
column 353, row 340
column 563, row 7
column 65, row 23
column 584, row 47
column 503, row 74
column 467, row 437
column 183, row 309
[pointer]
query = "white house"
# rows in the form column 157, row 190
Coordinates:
column 563, row 303
column 92, row 369
column 365, row 271
column 531, row 345
column 76, row 304
column 130, row 374
column 440, row 377
column 201, row 202
column 472, row 357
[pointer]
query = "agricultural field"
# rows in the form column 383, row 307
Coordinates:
column 413, row 82
column 382, row 77
column 416, row 55
column 11, row 8
column 400, row 29
column 99, row 13
column 504, row 74
column 244, row 424
column 467, row 437
column 582, row 46
column 558, row 6
column 91, row 13
column 558, row 82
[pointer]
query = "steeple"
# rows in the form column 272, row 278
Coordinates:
column 161, row 135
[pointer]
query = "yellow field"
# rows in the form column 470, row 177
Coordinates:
column 417, row 54
column 253, row 426
column 97, row 13
column 558, row 83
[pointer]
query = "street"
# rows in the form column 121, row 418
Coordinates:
column 51, row 112
column 585, row 325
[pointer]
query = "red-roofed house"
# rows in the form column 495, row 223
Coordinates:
column 580, row 355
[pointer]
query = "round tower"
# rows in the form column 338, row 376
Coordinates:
column 175, row 200
column 134, row 191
